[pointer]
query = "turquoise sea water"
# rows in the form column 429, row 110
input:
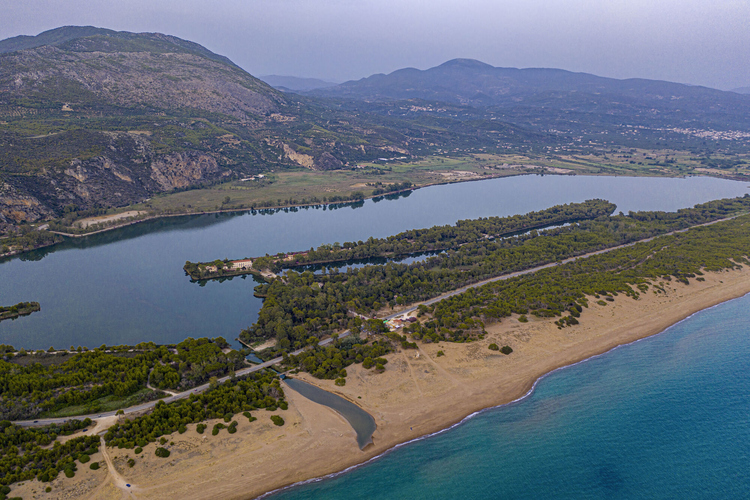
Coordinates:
column 666, row 417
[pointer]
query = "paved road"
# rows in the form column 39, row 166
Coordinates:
column 169, row 399
column 539, row 268
column 268, row 364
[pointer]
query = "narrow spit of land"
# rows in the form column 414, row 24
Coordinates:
column 710, row 264
column 20, row 309
column 440, row 391
column 407, row 243
column 327, row 341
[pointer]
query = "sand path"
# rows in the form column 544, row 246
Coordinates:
column 112, row 473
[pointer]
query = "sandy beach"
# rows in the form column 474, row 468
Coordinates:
column 419, row 393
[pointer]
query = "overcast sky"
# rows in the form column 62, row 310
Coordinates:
column 703, row 42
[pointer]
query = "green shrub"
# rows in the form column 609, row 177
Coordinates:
column 440, row 353
column 48, row 489
column 523, row 319
column 94, row 466
column 493, row 347
column 138, row 450
column 162, row 452
column 340, row 382
column 131, row 463
column 163, row 440
column 83, row 458
column 277, row 420
column 200, row 428
column 69, row 473
column 506, row 349
column 285, row 406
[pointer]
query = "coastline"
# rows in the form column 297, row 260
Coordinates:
column 152, row 217
column 415, row 398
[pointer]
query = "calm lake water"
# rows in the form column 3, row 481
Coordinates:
column 127, row 286
column 667, row 417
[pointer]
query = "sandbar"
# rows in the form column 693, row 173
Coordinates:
column 418, row 394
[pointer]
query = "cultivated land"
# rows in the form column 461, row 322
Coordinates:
column 308, row 187
column 415, row 396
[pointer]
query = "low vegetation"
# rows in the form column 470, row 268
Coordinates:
column 78, row 381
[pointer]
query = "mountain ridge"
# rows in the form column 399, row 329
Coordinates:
column 92, row 118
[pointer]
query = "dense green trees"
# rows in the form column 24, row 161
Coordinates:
column 61, row 380
column 306, row 305
column 330, row 362
column 20, row 309
column 562, row 291
column 23, row 457
column 256, row 391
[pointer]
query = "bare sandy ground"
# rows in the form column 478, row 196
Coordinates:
column 415, row 396
column 84, row 223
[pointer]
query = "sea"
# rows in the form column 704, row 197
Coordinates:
column 667, row 417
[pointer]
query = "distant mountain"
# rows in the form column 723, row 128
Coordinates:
column 295, row 84
column 476, row 84
column 742, row 90
column 93, row 68
column 59, row 36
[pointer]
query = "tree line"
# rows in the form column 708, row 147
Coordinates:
column 305, row 305
column 36, row 384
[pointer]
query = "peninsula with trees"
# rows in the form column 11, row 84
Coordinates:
column 20, row 309
column 562, row 270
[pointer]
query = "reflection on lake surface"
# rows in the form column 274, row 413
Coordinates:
column 127, row 286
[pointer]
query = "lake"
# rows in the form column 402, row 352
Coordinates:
column 127, row 286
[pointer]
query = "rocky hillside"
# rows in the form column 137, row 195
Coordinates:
column 96, row 118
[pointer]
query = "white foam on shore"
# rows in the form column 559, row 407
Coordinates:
column 483, row 410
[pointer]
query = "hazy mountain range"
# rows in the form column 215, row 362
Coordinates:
column 476, row 84
column 91, row 117
column 296, row 84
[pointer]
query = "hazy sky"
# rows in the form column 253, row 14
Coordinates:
column 704, row 42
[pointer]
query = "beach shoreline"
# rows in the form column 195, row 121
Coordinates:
column 419, row 395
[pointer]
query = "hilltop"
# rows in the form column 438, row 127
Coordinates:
column 518, row 93
column 93, row 118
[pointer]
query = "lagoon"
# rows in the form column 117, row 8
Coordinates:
column 127, row 286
